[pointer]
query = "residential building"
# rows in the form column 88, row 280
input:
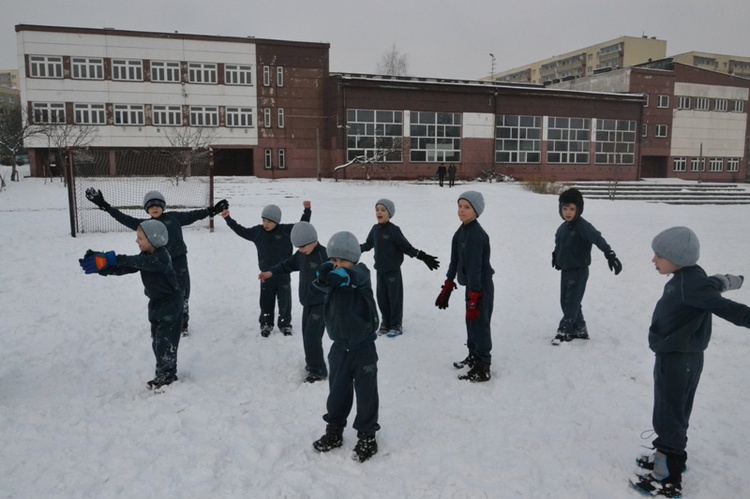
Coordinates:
column 730, row 64
column 9, row 78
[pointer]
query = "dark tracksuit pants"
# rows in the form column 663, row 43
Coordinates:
column 676, row 377
column 180, row 266
column 350, row 372
column 390, row 295
column 479, row 334
column 165, row 316
column 313, row 328
column 572, row 288
column 276, row 288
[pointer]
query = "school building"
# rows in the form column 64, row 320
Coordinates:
column 273, row 109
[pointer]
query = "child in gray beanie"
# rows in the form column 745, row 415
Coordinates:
column 680, row 332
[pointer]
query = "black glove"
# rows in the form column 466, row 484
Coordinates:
column 218, row 208
column 429, row 260
column 323, row 270
column 614, row 264
column 554, row 261
column 96, row 197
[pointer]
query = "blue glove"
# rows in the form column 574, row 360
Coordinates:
column 323, row 270
column 94, row 261
column 339, row 277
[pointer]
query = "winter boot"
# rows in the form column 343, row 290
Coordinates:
column 561, row 337
column 265, row 330
column 646, row 461
column 581, row 333
column 286, row 330
column 366, row 447
column 467, row 362
column 157, row 383
column 313, row 377
column 478, row 373
column 383, row 330
column 666, row 477
column 333, row 439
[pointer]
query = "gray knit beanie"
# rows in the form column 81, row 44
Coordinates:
column 272, row 213
column 303, row 233
column 389, row 206
column 679, row 245
column 156, row 232
column 344, row 245
column 154, row 198
column 475, row 199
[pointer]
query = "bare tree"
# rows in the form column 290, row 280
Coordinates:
column 61, row 136
column 387, row 149
column 393, row 63
column 189, row 146
column 13, row 130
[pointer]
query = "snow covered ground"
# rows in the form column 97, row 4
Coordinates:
column 563, row 422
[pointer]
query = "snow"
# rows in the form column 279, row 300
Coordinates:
column 564, row 422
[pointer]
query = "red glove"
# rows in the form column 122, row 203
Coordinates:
column 472, row 310
column 442, row 300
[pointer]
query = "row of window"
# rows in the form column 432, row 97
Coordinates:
column 715, row 165
column 700, row 103
column 136, row 115
column 94, row 68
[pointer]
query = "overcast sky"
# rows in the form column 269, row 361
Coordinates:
column 441, row 38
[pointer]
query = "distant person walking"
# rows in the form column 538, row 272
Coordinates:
column 441, row 174
column 451, row 175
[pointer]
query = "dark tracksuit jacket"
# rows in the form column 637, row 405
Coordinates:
column 390, row 246
column 351, row 319
column 470, row 261
column 573, row 241
column 272, row 247
column 680, row 331
column 165, row 302
column 173, row 221
column 312, row 299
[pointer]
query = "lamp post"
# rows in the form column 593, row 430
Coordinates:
column 492, row 71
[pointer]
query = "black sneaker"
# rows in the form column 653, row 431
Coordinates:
column 467, row 362
column 477, row 374
column 313, row 377
column 157, row 383
column 580, row 334
column 366, row 447
column 646, row 462
column 286, row 330
column 561, row 337
column 649, row 484
column 329, row 441
column 265, row 330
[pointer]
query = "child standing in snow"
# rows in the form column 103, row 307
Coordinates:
column 390, row 246
column 155, row 204
column 572, row 255
column 272, row 242
column 679, row 333
column 165, row 300
column 351, row 320
column 306, row 260
column 470, row 260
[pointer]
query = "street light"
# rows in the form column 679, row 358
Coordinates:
column 492, row 71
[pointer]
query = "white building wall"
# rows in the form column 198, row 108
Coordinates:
column 478, row 125
column 145, row 93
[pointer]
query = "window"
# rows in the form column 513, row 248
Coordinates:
column 374, row 134
column 615, row 142
column 280, row 117
column 661, row 130
column 266, row 76
column 518, row 139
column 662, row 101
column 167, row 115
column 644, row 130
column 87, row 69
column 45, row 66
column 701, row 104
column 238, row 75
column 645, row 104
column 716, row 164
column 204, row 116
column 279, row 76
column 267, row 118
column 435, row 137
column 201, row 73
column 733, row 164
column 48, row 112
column 282, row 158
column 239, row 117
column 739, row 106
column 697, row 164
column 680, row 164
column 267, row 159
column 683, row 103
column 129, row 114
column 721, row 105
column 127, row 70
column 165, row 72
column 568, row 140
column 89, row 114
